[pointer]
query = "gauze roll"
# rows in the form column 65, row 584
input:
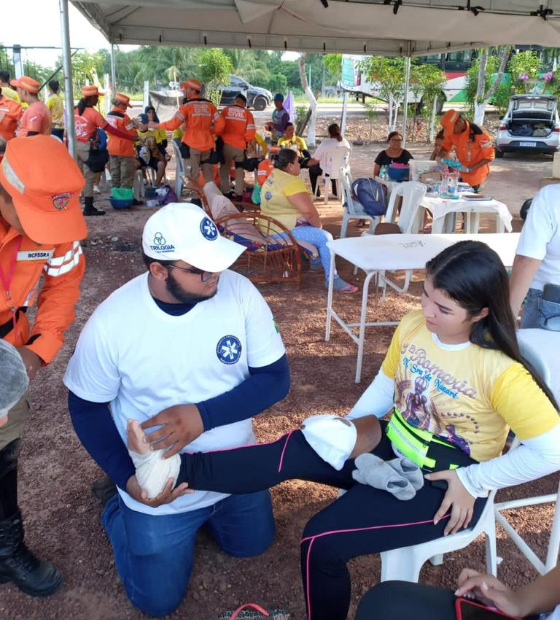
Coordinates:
column 332, row 437
column 13, row 377
column 153, row 471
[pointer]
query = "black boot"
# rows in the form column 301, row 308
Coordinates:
column 89, row 209
column 17, row 563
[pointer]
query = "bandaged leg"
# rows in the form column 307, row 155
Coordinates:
column 409, row 470
column 377, row 473
column 152, row 470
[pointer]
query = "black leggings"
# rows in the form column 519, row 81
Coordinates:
column 361, row 522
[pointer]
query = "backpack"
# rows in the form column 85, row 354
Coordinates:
column 371, row 195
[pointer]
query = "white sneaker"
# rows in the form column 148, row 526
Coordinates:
column 96, row 190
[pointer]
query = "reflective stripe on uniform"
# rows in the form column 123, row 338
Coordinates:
column 70, row 260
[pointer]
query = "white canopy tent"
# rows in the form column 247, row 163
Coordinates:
column 377, row 27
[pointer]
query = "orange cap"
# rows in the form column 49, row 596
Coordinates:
column 449, row 119
column 91, row 91
column 45, row 183
column 122, row 98
column 27, row 83
column 192, row 83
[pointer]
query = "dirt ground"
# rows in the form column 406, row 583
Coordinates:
column 62, row 516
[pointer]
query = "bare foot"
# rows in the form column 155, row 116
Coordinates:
column 136, row 437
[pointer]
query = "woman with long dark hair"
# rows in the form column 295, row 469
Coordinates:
column 319, row 163
column 454, row 383
column 393, row 154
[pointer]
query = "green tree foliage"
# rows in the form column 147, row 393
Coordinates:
column 524, row 66
column 501, row 97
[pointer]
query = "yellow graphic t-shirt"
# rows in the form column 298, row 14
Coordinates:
column 468, row 395
column 56, row 108
column 274, row 197
column 296, row 143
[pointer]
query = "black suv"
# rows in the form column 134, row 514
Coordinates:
column 257, row 98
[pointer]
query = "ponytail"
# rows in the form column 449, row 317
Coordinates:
column 334, row 132
column 85, row 102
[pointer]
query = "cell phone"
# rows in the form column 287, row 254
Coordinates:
column 466, row 609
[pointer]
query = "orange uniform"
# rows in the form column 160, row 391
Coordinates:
column 87, row 124
column 10, row 113
column 36, row 118
column 238, row 126
column 201, row 119
column 123, row 123
column 471, row 146
column 265, row 168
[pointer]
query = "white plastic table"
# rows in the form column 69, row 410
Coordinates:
column 375, row 253
column 440, row 208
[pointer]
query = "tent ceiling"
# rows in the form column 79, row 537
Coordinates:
column 419, row 27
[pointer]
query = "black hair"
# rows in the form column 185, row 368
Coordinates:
column 440, row 135
column 54, row 86
column 86, row 102
column 288, row 125
column 241, row 97
column 284, row 158
column 4, row 76
column 151, row 107
column 148, row 260
column 473, row 275
column 393, row 134
column 334, row 131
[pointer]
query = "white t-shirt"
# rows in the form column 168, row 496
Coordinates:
column 540, row 237
column 329, row 145
column 142, row 360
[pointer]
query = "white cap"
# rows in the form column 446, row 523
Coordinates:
column 182, row 231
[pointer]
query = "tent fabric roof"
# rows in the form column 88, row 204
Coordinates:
column 419, row 27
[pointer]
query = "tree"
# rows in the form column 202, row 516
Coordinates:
column 215, row 70
column 484, row 94
column 426, row 82
column 485, row 76
column 389, row 75
column 524, row 66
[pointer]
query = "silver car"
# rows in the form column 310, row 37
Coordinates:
column 530, row 125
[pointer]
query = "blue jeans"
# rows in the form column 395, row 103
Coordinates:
column 319, row 238
column 154, row 554
column 530, row 316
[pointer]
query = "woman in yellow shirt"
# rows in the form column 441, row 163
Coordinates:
column 285, row 198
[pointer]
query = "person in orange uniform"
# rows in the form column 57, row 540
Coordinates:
column 10, row 114
column 473, row 147
column 86, row 121
column 239, row 128
column 121, row 150
column 40, row 228
column 36, row 119
column 201, row 119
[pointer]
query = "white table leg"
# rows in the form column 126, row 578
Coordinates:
column 475, row 223
column 438, row 225
column 329, row 299
column 363, row 317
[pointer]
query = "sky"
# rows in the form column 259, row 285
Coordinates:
column 41, row 27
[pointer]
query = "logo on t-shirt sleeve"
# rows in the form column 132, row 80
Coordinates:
column 229, row 350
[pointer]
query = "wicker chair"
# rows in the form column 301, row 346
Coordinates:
column 272, row 256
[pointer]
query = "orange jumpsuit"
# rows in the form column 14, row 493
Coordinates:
column 238, row 126
column 10, row 113
column 200, row 118
column 36, row 118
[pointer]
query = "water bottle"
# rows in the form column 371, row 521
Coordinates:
column 452, row 185
column 383, row 173
column 443, row 184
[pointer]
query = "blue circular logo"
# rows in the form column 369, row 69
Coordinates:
column 268, row 195
column 208, row 229
column 229, row 350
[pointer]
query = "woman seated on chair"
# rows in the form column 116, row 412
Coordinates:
column 296, row 143
column 454, row 383
column 284, row 197
column 150, row 148
column 394, row 154
column 316, row 165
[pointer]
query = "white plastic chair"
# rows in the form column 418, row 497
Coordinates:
column 332, row 161
column 353, row 210
column 540, row 348
column 179, row 170
column 405, row 564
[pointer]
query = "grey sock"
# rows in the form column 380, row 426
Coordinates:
column 408, row 469
column 375, row 472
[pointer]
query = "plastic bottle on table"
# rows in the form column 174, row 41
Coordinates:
column 384, row 173
column 453, row 184
column 444, row 184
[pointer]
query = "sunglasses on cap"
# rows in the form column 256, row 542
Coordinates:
column 204, row 275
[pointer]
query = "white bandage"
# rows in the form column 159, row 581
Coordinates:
column 332, row 437
column 153, row 471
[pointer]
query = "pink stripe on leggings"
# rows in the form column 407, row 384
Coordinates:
column 359, row 529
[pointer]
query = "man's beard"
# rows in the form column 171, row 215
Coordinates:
column 182, row 296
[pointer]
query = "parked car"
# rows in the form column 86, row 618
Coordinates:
column 530, row 125
column 257, row 98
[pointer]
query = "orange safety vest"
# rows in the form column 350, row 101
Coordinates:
column 36, row 118
column 87, row 124
column 264, row 169
column 239, row 126
column 200, row 118
column 22, row 263
column 10, row 113
column 121, row 146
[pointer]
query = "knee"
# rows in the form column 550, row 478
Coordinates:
column 157, row 606
column 321, row 551
column 326, row 235
column 376, row 603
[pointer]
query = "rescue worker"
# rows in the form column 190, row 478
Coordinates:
column 7, row 89
column 473, row 147
column 122, row 151
column 36, row 119
column 10, row 114
column 87, row 120
column 40, row 228
column 239, row 129
column 200, row 118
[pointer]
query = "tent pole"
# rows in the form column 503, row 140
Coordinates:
column 67, row 66
column 113, row 71
column 406, row 88
column 344, row 112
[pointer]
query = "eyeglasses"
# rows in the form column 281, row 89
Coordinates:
column 204, row 275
